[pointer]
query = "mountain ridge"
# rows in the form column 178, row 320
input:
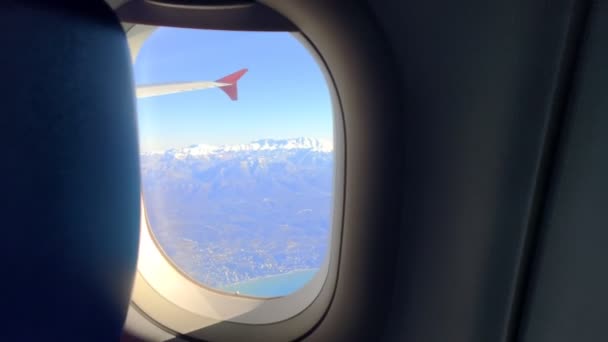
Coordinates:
column 197, row 150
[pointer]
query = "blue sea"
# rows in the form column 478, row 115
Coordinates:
column 273, row 286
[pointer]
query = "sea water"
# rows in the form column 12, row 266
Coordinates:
column 273, row 286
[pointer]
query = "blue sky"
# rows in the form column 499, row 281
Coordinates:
column 284, row 94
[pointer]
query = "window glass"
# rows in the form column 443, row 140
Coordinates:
column 236, row 133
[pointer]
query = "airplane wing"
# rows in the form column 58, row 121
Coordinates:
column 228, row 84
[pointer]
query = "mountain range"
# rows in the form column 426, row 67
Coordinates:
column 229, row 213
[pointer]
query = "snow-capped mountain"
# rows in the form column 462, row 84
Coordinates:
column 308, row 144
column 238, row 207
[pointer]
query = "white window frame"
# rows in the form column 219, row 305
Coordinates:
column 180, row 305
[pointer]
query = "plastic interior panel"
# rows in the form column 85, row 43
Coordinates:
column 252, row 17
column 481, row 85
column 568, row 293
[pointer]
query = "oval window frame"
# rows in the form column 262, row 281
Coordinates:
column 179, row 304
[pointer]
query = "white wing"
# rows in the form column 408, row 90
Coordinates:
column 172, row 88
column 227, row 84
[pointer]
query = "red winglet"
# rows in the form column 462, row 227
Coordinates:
column 231, row 79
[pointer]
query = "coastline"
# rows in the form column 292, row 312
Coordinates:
column 250, row 286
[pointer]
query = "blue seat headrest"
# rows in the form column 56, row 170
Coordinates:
column 69, row 204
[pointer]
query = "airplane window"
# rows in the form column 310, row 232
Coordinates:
column 236, row 140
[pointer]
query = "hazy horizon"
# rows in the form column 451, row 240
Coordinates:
column 234, row 143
